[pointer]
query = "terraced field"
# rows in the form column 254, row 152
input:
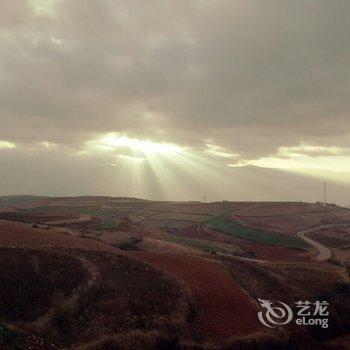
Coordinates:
column 178, row 216
column 201, row 244
column 168, row 224
column 333, row 242
column 116, row 281
column 226, row 310
column 109, row 222
column 221, row 223
column 95, row 299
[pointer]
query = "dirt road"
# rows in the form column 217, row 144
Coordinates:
column 241, row 258
column 324, row 253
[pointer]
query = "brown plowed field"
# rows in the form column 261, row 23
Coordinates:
column 156, row 245
column 14, row 234
column 289, row 218
column 328, row 241
column 204, row 232
column 225, row 310
column 95, row 220
column 342, row 255
column 37, row 217
column 262, row 252
column 281, row 209
column 342, row 232
column 272, row 253
column 289, row 224
column 214, row 208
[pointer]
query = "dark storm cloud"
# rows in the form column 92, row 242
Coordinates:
column 252, row 76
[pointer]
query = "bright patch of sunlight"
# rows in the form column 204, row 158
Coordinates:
column 131, row 158
column 137, row 146
column 218, row 151
column 164, row 170
column 304, row 158
column 332, row 163
column 6, row 145
column 315, row 151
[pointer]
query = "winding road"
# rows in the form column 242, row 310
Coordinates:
column 324, row 253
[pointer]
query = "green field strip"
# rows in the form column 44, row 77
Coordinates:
column 110, row 222
column 196, row 243
column 221, row 223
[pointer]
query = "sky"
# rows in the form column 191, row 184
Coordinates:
column 186, row 99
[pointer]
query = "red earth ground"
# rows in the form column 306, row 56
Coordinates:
column 289, row 218
column 272, row 253
column 203, row 232
column 37, row 217
column 13, row 234
column 225, row 309
column 95, row 220
column 262, row 252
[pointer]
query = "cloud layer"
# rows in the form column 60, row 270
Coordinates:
column 249, row 75
column 243, row 79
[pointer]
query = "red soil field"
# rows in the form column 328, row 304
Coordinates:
column 272, row 253
column 225, row 310
column 37, row 217
column 338, row 232
column 214, row 208
column 95, row 220
column 133, row 228
column 288, row 224
column 333, row 242
column 289, row 218
column 13, row 234
column 342, row 255
column 262, row 252
column 205, row 233
column 273, row 209
column 156, row 245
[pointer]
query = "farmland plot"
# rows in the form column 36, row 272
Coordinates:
column 179, row 216
column 222, row 224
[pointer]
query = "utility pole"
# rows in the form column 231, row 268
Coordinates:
column 324, row 193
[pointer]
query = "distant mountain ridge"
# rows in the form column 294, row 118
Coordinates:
column 248, row 183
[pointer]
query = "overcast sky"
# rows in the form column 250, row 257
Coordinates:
column 227, row 83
